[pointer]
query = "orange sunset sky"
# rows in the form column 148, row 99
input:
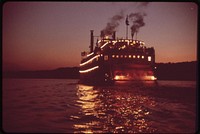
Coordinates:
column 48, row 35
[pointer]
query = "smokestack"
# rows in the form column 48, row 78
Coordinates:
column 136, row 35
column 102, row 35
column 91, row 40
column 127, row 23
column 132, row 34
column 114, row 35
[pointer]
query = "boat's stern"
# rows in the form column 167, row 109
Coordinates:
column 128, row 72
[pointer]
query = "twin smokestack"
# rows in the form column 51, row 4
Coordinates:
column 102, row 36
column 91, row 40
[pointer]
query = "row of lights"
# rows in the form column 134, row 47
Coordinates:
column 90, row 54
column 130, row 56
column 90, row 60
column 126, row 56
column 115, row 56
column 129, row 41
column 89, row 70
column 114, row 41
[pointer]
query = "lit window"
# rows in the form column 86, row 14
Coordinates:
column 133, row 56
column 125, row 56
column 113, row 56
column 138, row 56
column 153, row 78
column 142, row 57
column 117, row 56
column 149, row 58
column 121, row 56
column 129, row 56
column 106, row 57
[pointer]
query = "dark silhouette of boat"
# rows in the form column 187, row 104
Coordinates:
column 115, row 59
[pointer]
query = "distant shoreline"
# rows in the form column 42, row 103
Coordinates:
column 164, row 71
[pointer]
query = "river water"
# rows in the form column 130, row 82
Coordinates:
column 64, row 106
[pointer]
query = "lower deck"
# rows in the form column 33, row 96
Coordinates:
column 107, row 72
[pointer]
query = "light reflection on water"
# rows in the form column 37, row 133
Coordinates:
column 64, row 106
column 113, row 109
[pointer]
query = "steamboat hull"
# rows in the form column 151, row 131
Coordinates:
column 109, row 72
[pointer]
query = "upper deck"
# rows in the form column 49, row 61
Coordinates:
column 120, row 46
column 127, row 45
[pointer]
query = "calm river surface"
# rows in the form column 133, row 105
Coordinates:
column 64, row 106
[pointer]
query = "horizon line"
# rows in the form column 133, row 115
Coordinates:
column 79, row 66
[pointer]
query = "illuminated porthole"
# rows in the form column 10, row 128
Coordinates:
column 133, row 56
column 129, row 56
column 113, row 56
column 149, row 58
column 138, row 56
column 121, row 56
column 142, row 57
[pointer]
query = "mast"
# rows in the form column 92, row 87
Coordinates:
column 127, row 23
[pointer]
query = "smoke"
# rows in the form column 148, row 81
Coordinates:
column 113, row 24
column 137, row 20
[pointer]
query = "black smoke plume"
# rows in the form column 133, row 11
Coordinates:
column 112, row 25
column 137, row 20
